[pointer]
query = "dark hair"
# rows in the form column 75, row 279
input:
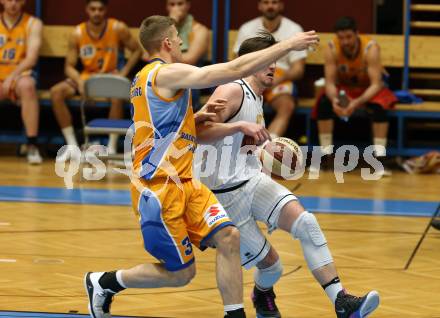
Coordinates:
column 153, row 30
column 262, row 41
column 346, row 23
column 104, row 2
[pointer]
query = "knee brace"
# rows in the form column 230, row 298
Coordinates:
column 313, row 242
column 267, row 277
column 377, row 113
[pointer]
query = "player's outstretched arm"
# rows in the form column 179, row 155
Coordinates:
column 177, row 76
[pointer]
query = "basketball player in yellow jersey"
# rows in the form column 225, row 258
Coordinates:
column 175, row 211
column 20, row 41
column 353, row 64
column 97, row 43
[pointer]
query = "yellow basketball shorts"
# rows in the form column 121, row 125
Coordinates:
column 175, row 217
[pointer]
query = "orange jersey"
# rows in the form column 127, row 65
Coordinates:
column 13, row 44
column 98, row 55
column 164, row 139
column 352, row 72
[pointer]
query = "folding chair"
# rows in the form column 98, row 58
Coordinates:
column 105, row 86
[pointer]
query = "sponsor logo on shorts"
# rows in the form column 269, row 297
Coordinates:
column 214, row 214
column 249, row 255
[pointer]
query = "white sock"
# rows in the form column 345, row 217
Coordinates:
column 69, row 136
column 119, row 278
column 112, row 143
column 326, row 140
column 379, row 146
column 232, row 307
column 333, row 290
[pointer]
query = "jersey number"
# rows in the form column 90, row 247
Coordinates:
column 187, row 243
column 87, row 51
column 8, row 54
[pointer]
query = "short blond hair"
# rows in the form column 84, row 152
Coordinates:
column 153, row 31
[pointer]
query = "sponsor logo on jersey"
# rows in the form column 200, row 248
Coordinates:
column 214, row 214
column 136, row 92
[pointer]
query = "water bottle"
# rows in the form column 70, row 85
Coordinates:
column 343, row 101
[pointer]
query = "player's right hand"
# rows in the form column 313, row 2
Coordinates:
column 339, row 111
column 258, row 132
column 209, row 111
column 303, row 40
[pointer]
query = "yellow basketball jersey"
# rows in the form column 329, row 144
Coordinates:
column 13, row 44
column 165, row 134
column 98, row 55
column 353, row 72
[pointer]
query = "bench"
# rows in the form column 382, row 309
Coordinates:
column 423, row 54
column 401, row 112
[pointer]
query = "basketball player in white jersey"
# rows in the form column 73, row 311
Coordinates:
column 250, row 195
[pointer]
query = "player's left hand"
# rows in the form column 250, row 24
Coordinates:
column 210, row 110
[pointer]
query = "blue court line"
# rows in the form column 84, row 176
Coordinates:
column 24, row 314
column 62, row 195
column 314, row 204
column 369, row 206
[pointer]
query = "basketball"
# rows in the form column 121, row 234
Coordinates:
column 281, row 157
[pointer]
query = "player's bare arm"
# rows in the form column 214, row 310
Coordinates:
column 33, row 48
column 374, row 69
column 130, row 43
column 199, row 45
column 330, row 71
column 218, row 128
column 209, row 111
column 295, row 72
column 72, row 59
column 177, row 76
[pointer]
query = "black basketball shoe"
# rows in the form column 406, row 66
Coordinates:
column 349, row 306
column 264, row 303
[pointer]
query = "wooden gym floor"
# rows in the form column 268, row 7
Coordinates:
column 45, row 248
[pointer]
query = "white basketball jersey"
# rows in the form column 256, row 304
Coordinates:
column 232, row 163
